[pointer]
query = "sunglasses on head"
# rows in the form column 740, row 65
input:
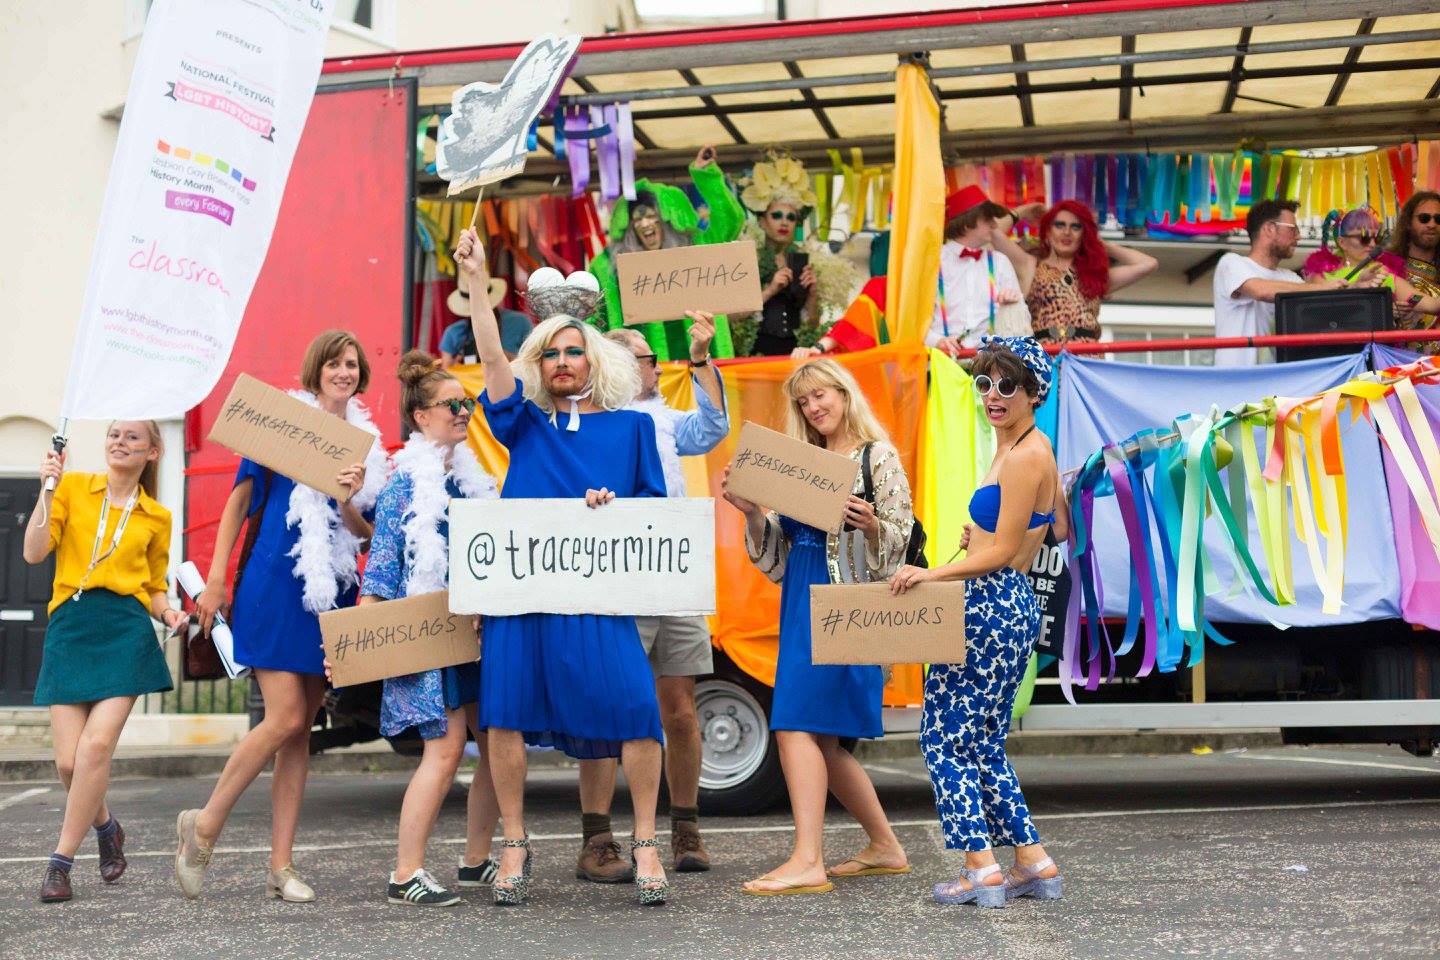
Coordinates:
column 1004, row 386
column 1364, row 236
column 455, row 406
column 571, row 353
column 1427, row 217
column 778, row 215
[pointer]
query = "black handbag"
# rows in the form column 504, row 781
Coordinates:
column 915, row 549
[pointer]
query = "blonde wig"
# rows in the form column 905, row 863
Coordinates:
column 858, row 422
column 614, row 371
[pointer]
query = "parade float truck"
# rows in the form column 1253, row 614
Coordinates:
column 1349, row 660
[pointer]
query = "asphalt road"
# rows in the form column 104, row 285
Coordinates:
column 1272, row 853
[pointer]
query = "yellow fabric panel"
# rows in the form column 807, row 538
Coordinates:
column 139, row 564
column 919, row 215
column 954, row 458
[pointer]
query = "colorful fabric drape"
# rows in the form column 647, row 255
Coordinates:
column 1419, row 564
column 919, row 215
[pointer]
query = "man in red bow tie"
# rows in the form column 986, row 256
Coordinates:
column 975, row 281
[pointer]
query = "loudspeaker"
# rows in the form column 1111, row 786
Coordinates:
column 1331, row 311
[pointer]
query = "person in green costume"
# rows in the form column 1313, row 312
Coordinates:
column 662, row 216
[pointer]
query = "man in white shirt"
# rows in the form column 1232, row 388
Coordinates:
column 974, row 280
column 1245, row 286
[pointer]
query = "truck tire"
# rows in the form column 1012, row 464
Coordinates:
column 739, row 760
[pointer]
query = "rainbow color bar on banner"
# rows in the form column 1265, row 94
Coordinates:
column 205, row 160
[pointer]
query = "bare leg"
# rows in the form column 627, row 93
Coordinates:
column 682, row 739
column 642, row 773
column 423, row 798
column 285, row 718
column 91, row 775
column 804, row 766
column 597, row 785
column 482, row 810
column 287, row 784
column 1031, row 854
column 853, row 788
column 67, row 722
column 507, row 769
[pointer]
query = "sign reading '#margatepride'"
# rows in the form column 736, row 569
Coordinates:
column 217, row 102
column 643, row 556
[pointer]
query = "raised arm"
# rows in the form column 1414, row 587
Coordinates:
column 1130, row 265
column 42, row 532
column 1019, row 257
column 470, row 257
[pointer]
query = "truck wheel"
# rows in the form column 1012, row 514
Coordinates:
column 739, row 760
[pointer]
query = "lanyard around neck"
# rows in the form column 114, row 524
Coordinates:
column 96, row 557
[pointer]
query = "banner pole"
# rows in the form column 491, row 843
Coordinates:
column 57, row 443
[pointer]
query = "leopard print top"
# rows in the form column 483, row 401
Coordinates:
column 1058, row 310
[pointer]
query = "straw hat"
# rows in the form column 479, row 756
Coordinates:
column 459, row 299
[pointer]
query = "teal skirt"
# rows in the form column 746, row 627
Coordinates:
column 100, row 646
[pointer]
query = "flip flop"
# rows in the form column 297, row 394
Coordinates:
column 787, row 888
column 867, row 869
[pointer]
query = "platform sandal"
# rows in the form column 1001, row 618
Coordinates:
column 518, row 887
column 651, row 891
column 1029, row 883
column 978, row 892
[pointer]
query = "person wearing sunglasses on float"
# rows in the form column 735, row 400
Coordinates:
column 1417, row 240
column 580, row 683
column 1356, row 234
column 788, row 284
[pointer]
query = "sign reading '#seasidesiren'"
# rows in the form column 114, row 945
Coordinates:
column 646, row 556
column 217, row 102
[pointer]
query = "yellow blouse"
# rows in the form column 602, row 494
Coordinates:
column 138, row 566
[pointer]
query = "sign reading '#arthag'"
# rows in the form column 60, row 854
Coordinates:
column 792, row 477
column 637, row 557
column 290, row 437
column 864, row 623
column 663, row 284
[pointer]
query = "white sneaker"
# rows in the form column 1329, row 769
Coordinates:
column 285, row 884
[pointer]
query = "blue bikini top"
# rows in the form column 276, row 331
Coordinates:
column 985, row 503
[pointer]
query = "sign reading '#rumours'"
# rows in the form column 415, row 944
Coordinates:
column 792, row 477
column 864, row 623
column 663, row 284
column 396, row 637
column 293, row 438
column 645, row 556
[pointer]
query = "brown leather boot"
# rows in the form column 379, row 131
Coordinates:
column 112, row 855
column 55, row 888
column 600, row 861
column 687, row 847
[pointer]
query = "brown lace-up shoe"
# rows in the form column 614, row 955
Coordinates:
column 55, row 888
column 600, row 861
column 687, row 847
column 112, row 855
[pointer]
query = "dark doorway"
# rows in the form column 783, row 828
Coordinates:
column 24, row 593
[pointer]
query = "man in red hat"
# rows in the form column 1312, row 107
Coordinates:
column 975, row 281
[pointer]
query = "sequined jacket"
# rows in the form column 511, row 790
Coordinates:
column 849, row 557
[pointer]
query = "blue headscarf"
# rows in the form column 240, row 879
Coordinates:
column 1031, row 354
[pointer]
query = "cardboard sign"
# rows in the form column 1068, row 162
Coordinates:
column 1050, row 578
column 486, row 136
column 663, row 284
column 645, row 556
column 289, row 436
column 863, row 623
column 792, row 477
column 396, row 637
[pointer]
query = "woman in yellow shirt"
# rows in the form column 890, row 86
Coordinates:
column 112, row 547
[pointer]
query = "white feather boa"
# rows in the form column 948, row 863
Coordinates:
column 665, row 416
column 326, row 551
column 427, row 555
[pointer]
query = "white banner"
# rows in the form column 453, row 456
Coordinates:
column 215, row 110
column 646, row 556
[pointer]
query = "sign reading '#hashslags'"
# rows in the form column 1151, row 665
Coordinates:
column 663, row 284
column 864, row 623
column 289, row 436
column 635, row 557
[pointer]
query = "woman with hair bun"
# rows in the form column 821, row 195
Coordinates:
column 300, row 559
column 409, row 556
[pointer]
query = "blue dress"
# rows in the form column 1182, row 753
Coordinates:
column 581, row 683
column 843, row 701
column 272, row 628
column 419, row 700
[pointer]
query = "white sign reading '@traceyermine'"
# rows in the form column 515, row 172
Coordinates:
column 635, row 557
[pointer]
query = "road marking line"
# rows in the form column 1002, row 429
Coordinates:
column 929, row 822
column 1413, row 768
column 897, row 772
column 23, row 796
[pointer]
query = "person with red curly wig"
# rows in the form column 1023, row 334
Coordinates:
column 1070, row 272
